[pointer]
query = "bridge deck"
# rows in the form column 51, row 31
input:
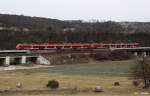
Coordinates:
column 16, row 53
column 132, row 49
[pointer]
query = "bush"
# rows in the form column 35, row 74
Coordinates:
column 100, row 56
column 74, row 90
column 116, row 84
column 53, row 84
column 135, row 83
column 114, row 55
column 119, row 55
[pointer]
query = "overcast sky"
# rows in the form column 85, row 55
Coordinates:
column 103, row 10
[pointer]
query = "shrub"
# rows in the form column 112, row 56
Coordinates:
column 116, row 84
column 119, row 55
column 74, row 90
column 100, row 56
column 53, row 84
column 135, row 83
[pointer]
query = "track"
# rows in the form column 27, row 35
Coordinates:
column 69, row 51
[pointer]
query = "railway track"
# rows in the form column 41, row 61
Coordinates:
column 69, row 51
column 137, row 50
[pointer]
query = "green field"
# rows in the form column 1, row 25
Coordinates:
column 99, row 68
column 80, row 76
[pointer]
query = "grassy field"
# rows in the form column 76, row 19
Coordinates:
column 80, row 76
column 98, row 68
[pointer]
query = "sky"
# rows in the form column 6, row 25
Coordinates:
column 102, row 10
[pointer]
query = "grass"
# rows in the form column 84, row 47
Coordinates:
column 99, row 68
column 79, row 76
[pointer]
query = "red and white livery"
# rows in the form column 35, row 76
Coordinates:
column 75, row 46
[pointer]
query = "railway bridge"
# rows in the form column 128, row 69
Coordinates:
column 139, row 51
column 16, row 57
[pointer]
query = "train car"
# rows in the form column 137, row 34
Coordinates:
column 75, row 46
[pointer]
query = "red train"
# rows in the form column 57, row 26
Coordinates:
column 75, row 46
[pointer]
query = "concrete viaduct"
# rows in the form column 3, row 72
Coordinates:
column 139, row 52
column 16, row 57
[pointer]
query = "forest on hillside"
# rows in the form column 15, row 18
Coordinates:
column 16, row 29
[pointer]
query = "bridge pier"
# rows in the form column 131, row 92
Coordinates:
column 7, row 61
column 18, row 57
column 135, row 54
column 141, row 54
column 144, row 54
column 23, row 60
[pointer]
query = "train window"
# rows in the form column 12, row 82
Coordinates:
column 35, row 46
column 26, row 46
column 118, row 46
column 128, row 46
column 50, row 46
column 111, row 46
column 123, row 46
column 76, row 46
column 67, row 46
column 39, row 47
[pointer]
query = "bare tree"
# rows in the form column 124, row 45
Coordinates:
column 141, row 70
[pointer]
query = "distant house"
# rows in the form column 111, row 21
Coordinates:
column 69, row 29
column 2, row 28
column 14, row 29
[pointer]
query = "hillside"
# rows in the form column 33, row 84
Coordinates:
column 24, row 29
column 32, row 23
column 38, row 23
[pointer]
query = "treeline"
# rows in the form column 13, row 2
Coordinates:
column 16, row 29
column 9, row 39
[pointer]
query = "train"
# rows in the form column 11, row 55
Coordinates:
column 75, row 46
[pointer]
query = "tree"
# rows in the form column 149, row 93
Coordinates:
column 141, row 70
